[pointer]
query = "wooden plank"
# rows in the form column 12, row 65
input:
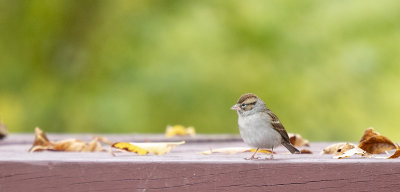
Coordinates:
column 171, row 176
column 185, row 170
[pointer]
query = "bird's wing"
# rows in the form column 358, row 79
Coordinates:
column 277, row 125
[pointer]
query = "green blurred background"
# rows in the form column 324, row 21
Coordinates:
column 328, row 69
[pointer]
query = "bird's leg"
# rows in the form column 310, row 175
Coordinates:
column 252, row 157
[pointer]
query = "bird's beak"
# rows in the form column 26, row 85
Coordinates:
column 235, row 107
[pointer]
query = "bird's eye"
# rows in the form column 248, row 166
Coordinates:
column 243, row 105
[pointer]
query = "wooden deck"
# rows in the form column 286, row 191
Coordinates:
column 184, row 169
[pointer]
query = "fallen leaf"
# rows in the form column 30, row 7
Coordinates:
column 261, row 151
column 42, row 143
column 368, row 133
column 233, row 150
column 3, row 130
column 305, row 151
column 130, row 147
column 179, row 130
column 75, row 145
column 338, row 148
column 351, row 152
column 375, row 143
column 396, row 154
column 297, row 140
column 158, row 148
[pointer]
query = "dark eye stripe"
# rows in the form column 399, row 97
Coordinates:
column 251, row 103
column 248, row 106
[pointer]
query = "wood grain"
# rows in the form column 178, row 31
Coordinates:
column 185, row 170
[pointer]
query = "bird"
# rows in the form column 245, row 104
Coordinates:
column 259, row 127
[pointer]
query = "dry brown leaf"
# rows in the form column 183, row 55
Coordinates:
column 3, row 130
column 396, row 154
column 338, row 148
column 305, row 151
column 297, row 140
column 368, row 133
column 351, row 152
column 75, row 145
column 104, row 140
column 158, row 148
column 179, row 130
column 375, row 143
column 41, row 143
column 233, row 150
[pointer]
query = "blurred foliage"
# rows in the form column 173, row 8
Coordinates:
column 328, row 69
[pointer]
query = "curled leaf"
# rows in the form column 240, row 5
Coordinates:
column 338, row 148
column 375, row 143
column 42, row 143
column 233, row 150
column 179, row 130
column 396, row 154
column 41, row 140
column 368, row 133
column 351, row 152
column 297, row 140
column 158, row 148
column 75, row 145
column 3, row 130
column 305, row 151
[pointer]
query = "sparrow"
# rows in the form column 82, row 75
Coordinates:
column 259, row 127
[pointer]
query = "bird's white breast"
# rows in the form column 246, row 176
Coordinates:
column 257, row 131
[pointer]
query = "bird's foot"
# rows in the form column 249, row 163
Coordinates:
column 251, row 158
column 270, row 157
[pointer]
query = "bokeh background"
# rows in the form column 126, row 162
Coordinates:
column 328, row 69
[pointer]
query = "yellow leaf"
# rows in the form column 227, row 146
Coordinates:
column 179, row 130
column 261, row 151
column 130, row 147
column 158, row 148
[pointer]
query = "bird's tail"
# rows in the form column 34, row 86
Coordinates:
column 290, row 147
